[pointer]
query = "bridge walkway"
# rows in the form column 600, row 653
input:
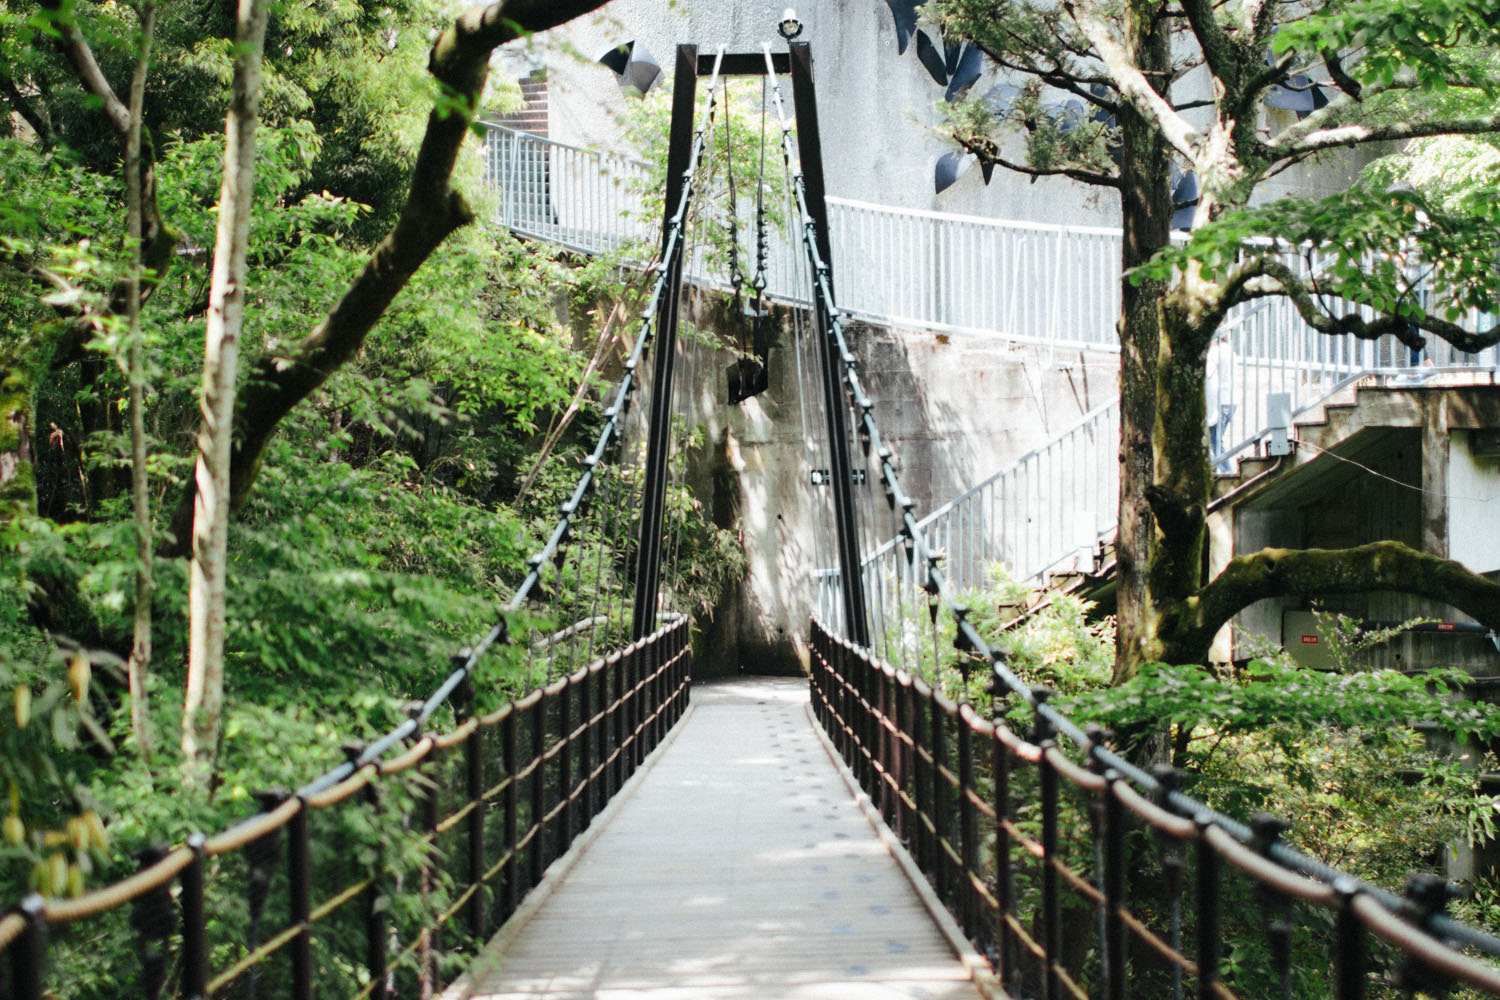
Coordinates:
column 738, row 864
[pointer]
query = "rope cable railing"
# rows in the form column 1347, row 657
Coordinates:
column 1050, row 720
column 553, row 758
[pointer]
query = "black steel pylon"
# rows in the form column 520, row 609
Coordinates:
column 797, row 63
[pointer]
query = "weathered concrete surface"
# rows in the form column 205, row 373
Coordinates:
column 1378, row 464
column 953, row 410
column 737, row 867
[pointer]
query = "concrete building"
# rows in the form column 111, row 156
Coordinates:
column 959, row 406
column 881, row 111
column 1415, row 464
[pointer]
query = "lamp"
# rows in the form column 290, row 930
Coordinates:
column 789, row 27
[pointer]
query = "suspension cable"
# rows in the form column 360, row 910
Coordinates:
column 813, row 443
column 762, row 245
column 736, row 274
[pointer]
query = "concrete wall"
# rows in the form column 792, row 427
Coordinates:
column 1473, row 500
column 953, row 411
column 880, row 111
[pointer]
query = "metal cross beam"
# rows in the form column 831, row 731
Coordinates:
column 745, row 64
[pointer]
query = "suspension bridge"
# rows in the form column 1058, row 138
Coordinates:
column 621, row 831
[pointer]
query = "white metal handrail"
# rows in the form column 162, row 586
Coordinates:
column 578, row 198
column 1057, row 286
column 1027, row 282
column 1047, row 509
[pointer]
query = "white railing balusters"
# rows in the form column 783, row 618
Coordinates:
column 1053, row 286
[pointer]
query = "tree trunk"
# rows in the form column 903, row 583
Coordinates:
column 140, row 647
column 206, row 587
column 1146, row 215
column 1179, row 494
column 460, row 62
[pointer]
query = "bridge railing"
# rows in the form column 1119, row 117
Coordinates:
column 1038, row 283
column 582, row 199
column 305, row 897
column 1034, row 851
column 1053, row 285
column 301, row 899
column 1074, row 882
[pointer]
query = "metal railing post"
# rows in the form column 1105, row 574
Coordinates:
column 463, row 708
column 887, row 737
column 151, row 918
column 1208, row 913
column 537, row 853
column 1051, row 903
column 1349, row 951
column 1005, row 895
column 906, row 730
column 565, row 765
column 29, row 953
column 968, row 827
column 1114, row 889
column 589, row 750
column 375, row 905
column 941, row 797
column 629, row 708
column 194, row 982
column 299, row 901
column 510, row 808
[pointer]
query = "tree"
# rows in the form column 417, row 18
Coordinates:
column 40, row 82
column 203, row 704
column 1184, row 82
column 140, row 485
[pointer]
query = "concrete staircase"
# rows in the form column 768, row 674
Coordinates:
column 1346, row 424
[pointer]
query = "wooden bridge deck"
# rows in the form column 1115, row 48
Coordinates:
column 737, row 865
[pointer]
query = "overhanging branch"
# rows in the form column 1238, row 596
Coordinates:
column 157, row 239
column 1378, row 566
column 75, row 48
column 1133, row 84
column 1245, row 284
column 459, row 60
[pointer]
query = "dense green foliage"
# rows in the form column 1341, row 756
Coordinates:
column 389, row 519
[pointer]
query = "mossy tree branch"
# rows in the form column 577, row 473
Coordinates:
column 1267, row 276
column 1189, row 628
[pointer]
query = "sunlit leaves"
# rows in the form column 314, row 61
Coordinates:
column 1397, row 250
column 1435, row 43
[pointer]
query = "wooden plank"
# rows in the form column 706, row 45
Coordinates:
column 739, row 867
